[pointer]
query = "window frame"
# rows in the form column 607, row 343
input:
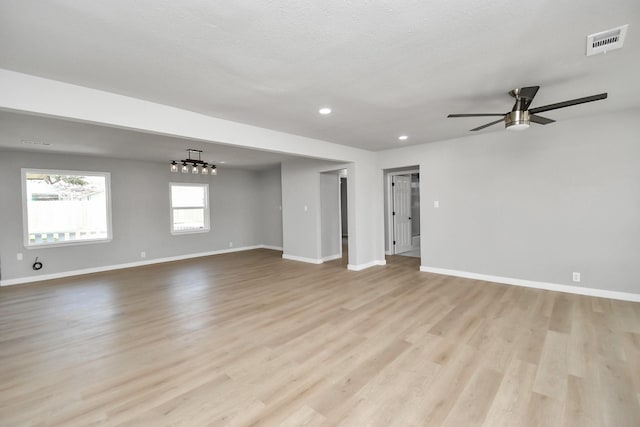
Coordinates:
column 25, row 209
column 207, row 208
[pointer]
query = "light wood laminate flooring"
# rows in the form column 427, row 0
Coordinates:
column 250, row 339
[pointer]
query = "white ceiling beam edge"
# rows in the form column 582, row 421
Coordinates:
column 36, row 95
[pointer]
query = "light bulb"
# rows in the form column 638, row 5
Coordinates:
column 518, row 126
column 205, row 170
column 194, row 169
column 185, row 168
column 214, row 171
column 174, row 166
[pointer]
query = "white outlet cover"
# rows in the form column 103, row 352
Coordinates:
column 436, row 204
column 19, row 256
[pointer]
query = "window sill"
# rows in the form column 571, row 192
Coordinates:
column 178, row 233
column 72, row 243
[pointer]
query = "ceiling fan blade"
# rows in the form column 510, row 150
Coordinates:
column 568, row 103
column 476, row 115
column 540, row 120
column 528, row 93
column 487, row 125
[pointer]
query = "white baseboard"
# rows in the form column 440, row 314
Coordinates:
column 302, row 259
column 602, row 293
column 273, row 248
column 331, row 257
column 358, row 267
column 39, row 278
column 311, row 260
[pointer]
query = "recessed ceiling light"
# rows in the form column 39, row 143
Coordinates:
column 324, row 111
column 221, row 161
column 403, row 137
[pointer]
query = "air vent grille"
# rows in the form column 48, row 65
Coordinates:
column 41, row 143
column 606, row 40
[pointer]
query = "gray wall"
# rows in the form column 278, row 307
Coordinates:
column 302, row 230
column 330, row 215
column 270, row 209
column 140, row 213
column 535, row 205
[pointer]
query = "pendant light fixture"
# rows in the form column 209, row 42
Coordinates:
column 194, row 166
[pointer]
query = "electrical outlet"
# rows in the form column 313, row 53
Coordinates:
column 436, row 204
column 19, row 256
column 143, row 254
column 576, row 276
column 230, row 244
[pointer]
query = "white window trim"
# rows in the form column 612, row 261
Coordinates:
column 207, row 210
column 25, row 214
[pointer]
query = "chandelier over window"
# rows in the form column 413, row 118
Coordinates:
column 194, row 166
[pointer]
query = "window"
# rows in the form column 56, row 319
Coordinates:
column 189, row 208
column 65, row 207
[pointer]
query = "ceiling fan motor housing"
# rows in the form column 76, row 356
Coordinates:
column 517, row 120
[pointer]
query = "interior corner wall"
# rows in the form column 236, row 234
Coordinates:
column 140, row 214
column 302, row 231
column 270, row 209
column 301, row 208
column 366, row 219
column 534, row 205
column 330, row 217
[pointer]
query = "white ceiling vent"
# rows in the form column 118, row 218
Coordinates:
column 606, row 40
column 41, row 143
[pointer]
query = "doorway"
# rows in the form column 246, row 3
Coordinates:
column 344, row 217
column 333, row 215
column 402, row 212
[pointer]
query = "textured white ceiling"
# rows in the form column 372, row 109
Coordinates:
column 386, row 67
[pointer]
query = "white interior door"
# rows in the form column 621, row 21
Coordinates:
column 401, row 189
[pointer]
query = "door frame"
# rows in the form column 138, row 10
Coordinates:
column 389, row 191
column 342, row 173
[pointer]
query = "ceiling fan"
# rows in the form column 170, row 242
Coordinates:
column 520, row 115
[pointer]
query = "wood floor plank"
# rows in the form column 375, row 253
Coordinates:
column 553, row 371
column 582, row 406
column 472, row 406
column 509, row 407
column 252, row 339
column 620, row 403
column 544, row 411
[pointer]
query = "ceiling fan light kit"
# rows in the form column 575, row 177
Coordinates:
column 517, row 120
column 520, row 116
